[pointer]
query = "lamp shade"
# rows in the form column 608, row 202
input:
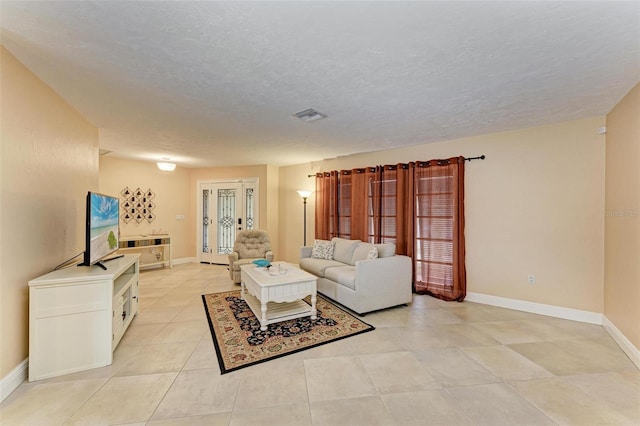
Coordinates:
column 303, row 193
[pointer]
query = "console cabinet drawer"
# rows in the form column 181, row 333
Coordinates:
column 69, row 299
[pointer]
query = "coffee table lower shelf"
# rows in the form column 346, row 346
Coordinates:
column 278, row 311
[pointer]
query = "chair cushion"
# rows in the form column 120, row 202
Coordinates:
column 238, row 263
column 317, row 267
column 252, row 243
column 364, row 251
column 343, row 249
column 344, row 275
column 322, row 249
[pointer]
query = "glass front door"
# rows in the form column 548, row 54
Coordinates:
column 225, row 208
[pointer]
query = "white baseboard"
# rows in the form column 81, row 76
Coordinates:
column 536, row 308
column 173, row 262
column 565, row 313
column 185, row 260
column 632, row 352
column 11, row 381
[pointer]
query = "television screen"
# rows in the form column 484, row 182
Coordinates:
column 102, row 233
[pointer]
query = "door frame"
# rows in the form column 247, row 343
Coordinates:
column 255, row 181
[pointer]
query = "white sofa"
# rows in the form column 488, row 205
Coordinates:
column 362, row 285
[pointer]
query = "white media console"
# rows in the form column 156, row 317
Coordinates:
column 78, row 315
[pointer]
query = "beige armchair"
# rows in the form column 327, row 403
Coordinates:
column 251, row 244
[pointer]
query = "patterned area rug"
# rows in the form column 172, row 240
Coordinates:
column 240, row 343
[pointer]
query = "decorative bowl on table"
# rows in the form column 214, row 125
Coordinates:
column 277, row 270
column 261, row 263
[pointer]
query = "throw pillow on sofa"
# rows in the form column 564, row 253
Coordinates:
column 373, row 253
column 322, row 249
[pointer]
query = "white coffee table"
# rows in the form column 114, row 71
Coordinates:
column 273, row 297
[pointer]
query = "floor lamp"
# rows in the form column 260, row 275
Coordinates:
column 305, row 195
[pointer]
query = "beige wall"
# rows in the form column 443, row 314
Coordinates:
column 622, row 217
column 172, row 199
column 48, row 162
column 534, row 206
column 291, row 235
column 272, row 207
column 176, row 194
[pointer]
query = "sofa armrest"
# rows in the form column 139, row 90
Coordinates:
column 384, row 281
column 305, row 251
column 269, row 256
column 233, row 257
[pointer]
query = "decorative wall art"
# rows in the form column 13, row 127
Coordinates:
column 137, row 205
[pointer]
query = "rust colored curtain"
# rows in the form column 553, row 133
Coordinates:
column 363, row 183
column 404, row 209
column 439, row 224
column 344, row 201
column 418, row 206
column 391, row 207
column 374, row 218
column 326, row 205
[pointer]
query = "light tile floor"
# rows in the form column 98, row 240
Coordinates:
column 432, row 362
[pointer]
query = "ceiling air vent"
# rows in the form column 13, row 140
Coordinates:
column 310, row 115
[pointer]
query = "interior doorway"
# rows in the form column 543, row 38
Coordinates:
column 224, row 208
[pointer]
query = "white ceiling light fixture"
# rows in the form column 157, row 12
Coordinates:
column 166, row 166
column 309, row 114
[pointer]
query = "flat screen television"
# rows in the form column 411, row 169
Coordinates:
column 102, row 231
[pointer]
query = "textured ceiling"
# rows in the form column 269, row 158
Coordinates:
column 216, row 83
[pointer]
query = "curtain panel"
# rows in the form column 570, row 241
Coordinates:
column 326, row 205
column 419, row 206
column 439, row 267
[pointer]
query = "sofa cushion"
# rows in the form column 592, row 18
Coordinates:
column 322, row 249
column 364, row 251
column 343, row 249
column 386, row 249
column 343, row 275
column 317, row 267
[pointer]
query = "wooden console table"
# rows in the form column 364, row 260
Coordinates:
column 159, row 245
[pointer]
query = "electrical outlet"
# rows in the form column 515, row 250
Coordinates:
column 531, row 279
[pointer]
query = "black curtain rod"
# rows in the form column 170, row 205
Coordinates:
column 482, row 157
